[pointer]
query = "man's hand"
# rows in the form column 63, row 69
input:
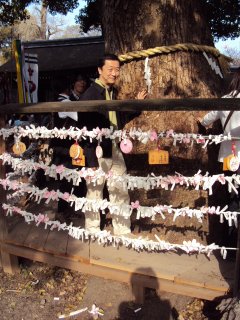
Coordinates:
column 142, row 94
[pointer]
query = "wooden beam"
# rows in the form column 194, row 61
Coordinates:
column 192, row 104
column 114, row 273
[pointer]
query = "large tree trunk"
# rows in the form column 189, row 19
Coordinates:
column 142, row 24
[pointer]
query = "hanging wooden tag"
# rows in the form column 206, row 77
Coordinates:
column 74, row 150
column 158, row 156
column 231, row 163
column 79, row 161
column 19, row 147
column 76, row 153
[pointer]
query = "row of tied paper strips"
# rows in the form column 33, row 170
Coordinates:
column 129, row 182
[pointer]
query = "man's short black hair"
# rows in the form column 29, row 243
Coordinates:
column 80, row 77
column 107, row 56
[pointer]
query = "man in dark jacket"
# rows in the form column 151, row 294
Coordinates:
column 112, row 158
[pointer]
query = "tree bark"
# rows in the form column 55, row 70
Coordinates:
column 142, row 24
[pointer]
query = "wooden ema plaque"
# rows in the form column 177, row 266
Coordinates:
column 19, row 147
column 231, row 163
column 158, row 156
column 76, row 153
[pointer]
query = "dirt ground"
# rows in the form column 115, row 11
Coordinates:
column 43, row 292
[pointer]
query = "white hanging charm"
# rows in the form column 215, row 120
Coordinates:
column 213, row 65
column 147, row 75
column 99, row 152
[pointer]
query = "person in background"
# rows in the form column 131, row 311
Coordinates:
column 78, row 88
column 61, row 147
column 230, row 121
column 112, row 158
column 64, row 94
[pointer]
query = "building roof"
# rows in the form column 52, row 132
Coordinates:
column 62, row 54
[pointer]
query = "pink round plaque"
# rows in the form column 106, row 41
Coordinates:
column 126, row 146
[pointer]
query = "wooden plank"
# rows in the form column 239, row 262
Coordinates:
column 56, row 242
column 143, row 281
column 197, row 104
column 193, row 270
column 46, row 240
column 112, row 273
column 79, row 250
column 215, row 272
column 13, row 221
column 160, row 281
column 166, row 264
column 36, row 237
column 190, row 291
column 19, row 233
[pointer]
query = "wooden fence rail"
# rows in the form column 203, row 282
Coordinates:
column 193, row 104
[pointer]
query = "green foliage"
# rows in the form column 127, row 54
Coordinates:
column 12, row 10
column 6, row 35
column 90, row 16
column 223, row 17
column 60, row 6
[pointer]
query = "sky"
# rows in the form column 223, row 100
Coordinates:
column 230, row 43
column 70, row 17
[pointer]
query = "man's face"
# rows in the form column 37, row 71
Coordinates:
column 109, row 73
column 79, row 87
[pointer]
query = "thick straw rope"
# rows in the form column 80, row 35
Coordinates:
column 171, row 49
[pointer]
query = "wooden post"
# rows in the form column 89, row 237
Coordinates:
column 9, row 262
